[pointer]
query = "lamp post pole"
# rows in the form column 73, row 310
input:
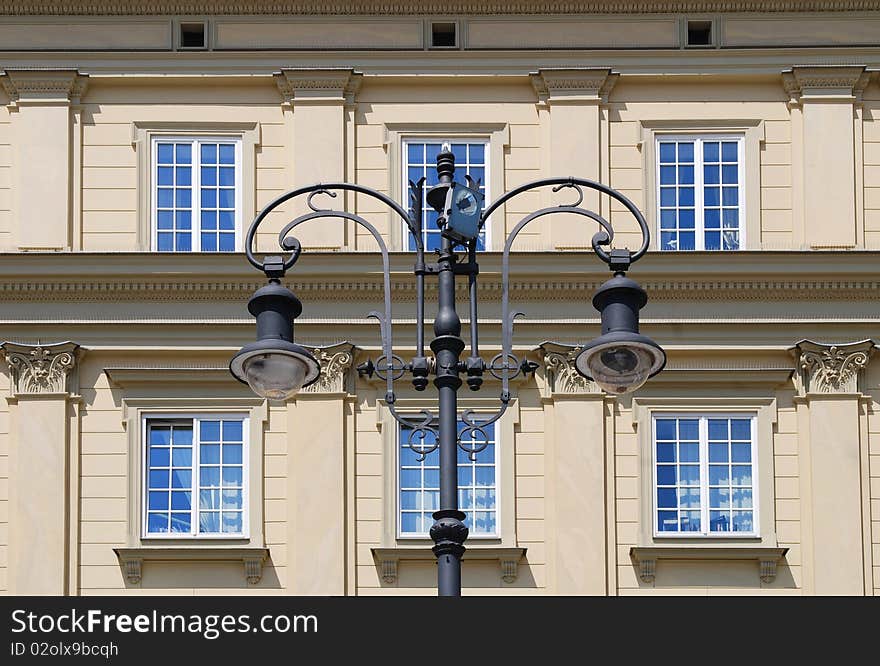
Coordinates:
column 449, row 531
column 619, row 361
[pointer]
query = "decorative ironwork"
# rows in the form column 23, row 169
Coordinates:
column 449, row 430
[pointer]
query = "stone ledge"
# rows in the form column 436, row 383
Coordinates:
column 132, row 559
column 388, row 558
column 646, row 557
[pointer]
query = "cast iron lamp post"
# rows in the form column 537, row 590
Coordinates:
column 620, row 360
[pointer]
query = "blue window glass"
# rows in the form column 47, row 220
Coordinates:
column 421, row 162
column 419, row 482
column 182, row 167
column 692, row 220
column 175, row 475
column 703, row 475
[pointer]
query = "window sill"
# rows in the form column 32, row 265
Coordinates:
column 388, row 558
column 132, row 559
column 767, row 558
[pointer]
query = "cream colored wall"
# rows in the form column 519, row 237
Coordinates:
column 110, row 165
column 692, row 102
column 871, row 148
column 873, row 475
column 4, row 482
column 7, row 241
column 105, row 502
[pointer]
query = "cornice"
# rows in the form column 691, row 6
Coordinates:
column 449, row 7
column 44, row 85
column 353, row 277
column 823, row 81
column 554, row 85
column 315, row 84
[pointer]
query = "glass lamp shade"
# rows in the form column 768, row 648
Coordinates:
column 621, row 366
column 277, row 373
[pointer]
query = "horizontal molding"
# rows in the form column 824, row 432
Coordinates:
column 447, row 8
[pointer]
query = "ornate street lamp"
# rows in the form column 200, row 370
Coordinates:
column 619, row 361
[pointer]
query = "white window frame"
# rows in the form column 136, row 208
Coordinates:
column 196, row 417
column 484, row 139
column 498, row 488
column 703, row 418
column 195, row 140
column 699, row 221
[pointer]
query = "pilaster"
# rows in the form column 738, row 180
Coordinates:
column 321, row 105
column 46, row 154
column 43, row 468
column 823, row 100
column 831, row 458
column 576, row 469
column 573, row 101
column 318, row 443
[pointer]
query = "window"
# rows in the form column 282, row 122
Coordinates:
column 419, row 485
column 699, row 33
column 704, row 475
column 420, row 161
column 444, row 35
column 197, row 194
column 195, row 472
column 700, row 193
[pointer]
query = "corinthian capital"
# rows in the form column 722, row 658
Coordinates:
column 40, row 368
column 831, row 368
column 335, row 362
column 559, row 369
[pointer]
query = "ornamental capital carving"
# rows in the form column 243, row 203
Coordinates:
column 336, row 361
column 802, row 83
column 560, row 372
column 586, row 84
column 38, row 368
column 64, row 86
column 831, row 368
column 318, row 85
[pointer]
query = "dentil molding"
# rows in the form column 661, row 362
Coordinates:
column 825, row 81
column 65, row 86
column 583, row 84
column 40, row 369
column 831, row 368
column 448, row 8
column 339, row 85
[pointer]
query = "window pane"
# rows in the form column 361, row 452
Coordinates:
column 741, row 429
column 180, row 501
column 209, row 522
column 165, row 176
column 209, row 499
column 741, row 452
column 729, row 151
column 712, row 218
column 415, row 153
column 667, row 521
column 713, row 240
column 476, row 152
column 690, row 521
column 181, row 478
column 209, row 476
column 232, row 522
column 227, row 198
column 667, row 152
column 689, row 475
column 666, row 429
column 710, row 151
column 157, row 522
column 159, row 478
column 227, row 154
column 686, row 240
column 181, row 522
column 665, row 452
column 730, row 174
column 666, row 498
column 410, row 522
column 666, row 475
column 741, row 475
column 718, row 429
column 181, row 457
column 729, row 196
column 719, row 521
column 232, row 476
column 232, row 499
column 718, row 452
column 158, row 501
column 686, row 152
column 210, row 431
column 689, row 452
column 719, row 475
column 209, row 454
column 743, row 521
column 685, row 175
column 232, row 454
column 159, row 457
column 667, row 175
column 719, row 498
column 183, row 153
column 209, row 153
column 667, row 196
column 689, row 498
column 689, row 429
column 209, row 176
column 165, row 153
column 742, row 498
column 711, row 175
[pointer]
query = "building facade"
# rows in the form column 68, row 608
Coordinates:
column 139, row 140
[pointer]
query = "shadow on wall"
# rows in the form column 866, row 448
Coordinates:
column 204, row 575
column 722, row 574
column 475, row 575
